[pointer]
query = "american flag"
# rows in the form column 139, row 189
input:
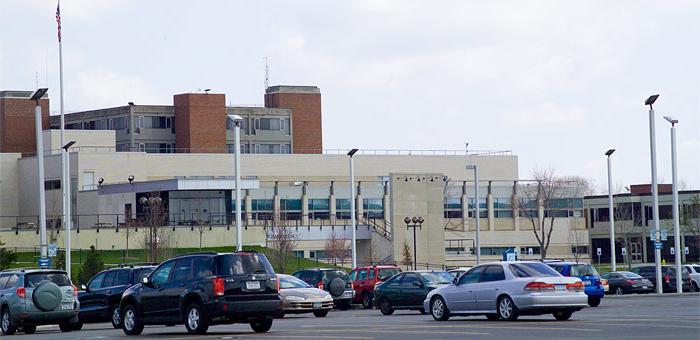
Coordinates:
column 58, row 20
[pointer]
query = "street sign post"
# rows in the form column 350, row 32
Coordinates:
column 686, row 250
column 673, row 250
column 624, row 251
column 529, row 251
column 658, row 245
column 664, row 235
column 44, row 262
column 53, row 249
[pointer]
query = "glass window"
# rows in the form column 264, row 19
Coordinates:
column 386, row 273
column 373, row 207
column 629, row 275
column 141, row 274
column 452, row 208
column 160, row 275
column 318, row 209
column 3, row 280
column 287, row 282
column 183, row 270
column 532, row 270
column 109, row 279
column 96, row 282
column 243, row 263
column 438, row 277
column 290, row 209
column 362, row 275
column 353, row 275
column 342, row 208
column 583, row 270
column 12, row 281
column 371, row 273
column 203, row 267
column 60, row 279
column 395, row 281
column 409, row 279
column 122, row 278
column 492, row 273
column 472, row 276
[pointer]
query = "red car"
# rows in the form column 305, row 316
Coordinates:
column 365, row 278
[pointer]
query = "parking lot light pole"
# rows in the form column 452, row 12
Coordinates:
column 611, row 214
column 476, row 212
column 417, row 223
column 676, row 215
column 36, row 96
column 353, row 222
column 655, row 190
column 68, row 222
column 237, row 166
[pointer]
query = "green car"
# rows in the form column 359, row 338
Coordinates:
column 407, row 290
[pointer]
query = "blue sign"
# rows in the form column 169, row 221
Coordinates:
column 664, row 235
column 658, row 245
column 44, row 262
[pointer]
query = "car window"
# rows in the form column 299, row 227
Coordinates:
column 3, row 280
column 409, row 279
column 629, row 275
column 532, row 270
column 438, row 277
column 96, row 282
column 183, row 270
column 160, row 275
column 559, row 269
column 606, row 275
column 353, row 275
column 243, row 264
column 371, row 273
column 396, row 280
column 109, row 279
column 492, row 273
column 472, row 276
column 203, row 266
column 142, row 273
column 386, row 273
column 12, row 281
column 60, row 279
column 697, row 269
column 583, row 270
column 287, row 282
column 362, row 275
column 122, row 278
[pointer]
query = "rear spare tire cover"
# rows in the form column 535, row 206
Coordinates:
column 47, row 296
column 337, row 287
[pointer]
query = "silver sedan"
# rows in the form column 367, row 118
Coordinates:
column 505, row 290
column 299, row 297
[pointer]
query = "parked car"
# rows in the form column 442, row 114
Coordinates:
column 594, row 288
column 300, row 297
column 668, row 277
column 33, row 297
column 364, row 279
column 99, row 299
column 693, row 271
column 622, row 282
column 334, row 281
column 204, row 289
column 408, row 290
column 457, row 272
column 506, row 290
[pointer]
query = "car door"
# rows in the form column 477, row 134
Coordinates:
column 152, row 302
column 411, row 292
column 180, row 279
column 104, row 308
column 489, row 286
column 122, row 281
column 460, row 297
column 91, row 299
column 391, row 292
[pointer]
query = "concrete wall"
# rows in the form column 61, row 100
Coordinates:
column 103, row 139
column 9, row 187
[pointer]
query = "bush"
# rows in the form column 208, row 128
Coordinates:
column 7, row 257
column 92, row 265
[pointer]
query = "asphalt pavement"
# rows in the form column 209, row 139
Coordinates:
column 633, row 317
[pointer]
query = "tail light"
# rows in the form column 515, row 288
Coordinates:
column 352, row 286
column 218, row 286
column 667, row 278
column 21, row 292
column 603, row 282
column 75, row 291
column 278, row 284
column 320, row 285
column 539, row 286
column 630, row 281
column 578, row 286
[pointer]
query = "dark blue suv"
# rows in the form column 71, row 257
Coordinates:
column 204, row 289
column 593, row 286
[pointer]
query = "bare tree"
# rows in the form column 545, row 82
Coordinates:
column 407, row 257
column 577, row 238
column 690, row 220
column 156, row 238
column 452, row 192
column 282, row 240
column 624, row 229
column 373, row 255
column 337, row 249
column 586, row 184
column 550, row 194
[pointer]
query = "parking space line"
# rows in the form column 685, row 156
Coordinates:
column 384, row 330
column 502, row 327
column 653, row 325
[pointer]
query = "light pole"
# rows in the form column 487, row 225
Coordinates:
column 237, row 160
column 655, row 190
column 353, row 223
column 476, row 212
column 153, row 204
column 36, row 96
column 67, row 204
column 676, row 222
column 613, row 260
column 417, row 223
column 128, row 222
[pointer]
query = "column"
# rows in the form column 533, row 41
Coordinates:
column 331, row 204
column 248, row 202
column 465, row 207
column 489, row 208
column 359, row 209
column 514, row 204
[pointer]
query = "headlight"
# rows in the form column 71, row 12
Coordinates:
column 294, row 298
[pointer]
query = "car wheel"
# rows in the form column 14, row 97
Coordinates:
column 619, row 291
column 320, row 313
column 366, row 300
column 492, row 317
column 507, row 310
column 29, row 329
column 261, row 326
column 562, row 315
column 694, row 286
column 385, row 307
column 131, row 321
column 593, row 301
column 344, row 305
column 195, row 320
column 6, row 324
column 438, row 309
column 116, row 317
column 65, row 326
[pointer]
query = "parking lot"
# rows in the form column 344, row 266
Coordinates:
column 638, row 317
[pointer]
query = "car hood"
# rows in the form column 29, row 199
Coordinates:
column 308, row 293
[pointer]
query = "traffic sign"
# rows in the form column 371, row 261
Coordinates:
column 599, row 251
column 529, row 251
column 664, row 235
column 652, row 234
column 658, row 245
column 624, row 251
column 686, row 250
column 44, row 262
column 53, row 249
column 673, row 250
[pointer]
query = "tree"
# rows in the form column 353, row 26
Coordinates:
column 624, row 229
column 60, row 262
column 550, row 195
column 7, row 257
column 156, row 239
column 282, row 240
column 577, row 238
column 373, row 255
column 690, row 220
column 92, row 265
column 337, row 249
column 407, row 259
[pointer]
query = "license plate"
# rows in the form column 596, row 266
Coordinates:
column 560, row 287
column 66, row 306
column 252, row 284
column 586, row 283
column 645, row 287
column 317, row 305
column 347, row 295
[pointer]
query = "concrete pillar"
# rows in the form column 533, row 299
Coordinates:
column 248, row 202
column 465, row 212
column 304, row 209
column 359, row 208
column 644, row 248
column 514, row 204
column 490, row 213
column 276, row 209
column 331, row 208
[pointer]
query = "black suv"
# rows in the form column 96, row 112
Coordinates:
column 99, row 300
column 668, row 277
column 334, row 281
column 204, row 289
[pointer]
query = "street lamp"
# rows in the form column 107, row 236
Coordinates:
column 353, row 223
column 655, row 190
column 152, row 204
column 236, row 119
column 613, row 260
column 67, row 204
column 36, row 96
column 676, row 222
column 417, row 223
column 476, row 212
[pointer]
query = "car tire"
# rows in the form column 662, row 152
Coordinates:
column 261, row 326
column 492, row 317
column 116, row 317
column 438, row 309
column 6, row 323
column 28, row 329
column 594, row 301
column 344, row 305
column 694, row 286
column 131, row 321
column 507, row 311
column 195, row 320
column 366, row 300
column 385, row 307
column 563, row 315
column 619, row 291
column 65, row 326
column 320, row 313
column 77, row 326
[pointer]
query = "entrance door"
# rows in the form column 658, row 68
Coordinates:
column 636, row 251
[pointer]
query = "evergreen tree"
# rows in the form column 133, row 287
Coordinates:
column 407, row 257
column 7, row 257
column 92, row 265
column 60, row 260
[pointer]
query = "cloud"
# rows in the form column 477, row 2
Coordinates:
column 547, row 115
column 100, row 87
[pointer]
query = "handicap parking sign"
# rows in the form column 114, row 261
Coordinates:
column 44, row 262
column 53, row 249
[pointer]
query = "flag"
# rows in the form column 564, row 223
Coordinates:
column 58, row 20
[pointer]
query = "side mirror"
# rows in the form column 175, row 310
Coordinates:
column 455, row 280
column 145, row 281
column 418, row 284
column 83, row 287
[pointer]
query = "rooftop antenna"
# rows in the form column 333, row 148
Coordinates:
column 267, row 74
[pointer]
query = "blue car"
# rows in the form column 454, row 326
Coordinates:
column 593, row 286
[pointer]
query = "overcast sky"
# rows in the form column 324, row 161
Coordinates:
column 556, row 82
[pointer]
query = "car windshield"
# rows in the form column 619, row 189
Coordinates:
column 697, row 269
column 456, row 273
column 629, row 275
column 287, row 282
column 33, row 280
column 329, row 275
column 438, row 277
column 532, row 270
column 386, row 273
column 583, row 270
column 244, row 263
column 143, row 273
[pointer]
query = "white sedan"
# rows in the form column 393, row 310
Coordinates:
column 505, row 290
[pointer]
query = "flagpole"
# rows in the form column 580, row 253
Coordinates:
column 65, row 170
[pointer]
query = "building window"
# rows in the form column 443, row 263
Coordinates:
column 318, row 209
column 290, row 209
column 262, row 209
column 535, row 250
column 269, row 124
column 373, row 208
column 230, row 125
column 298, row 253
column 155, row 122
column 342, row 208
column 579, row 250
column 272, row 148
column 502, row 207
column 452, row 208
column 52, row 184
column 483, row 212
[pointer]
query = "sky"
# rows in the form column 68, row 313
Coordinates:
column 556, row 82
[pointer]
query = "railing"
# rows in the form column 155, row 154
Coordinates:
column 383, row 230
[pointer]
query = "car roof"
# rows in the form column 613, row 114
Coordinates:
column 566, row 263
column 213, row 253
column 319, row 269
column 427, row 271
column 33, row 270
column 380, row 267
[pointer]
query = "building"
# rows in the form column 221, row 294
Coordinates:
column 633, row 214
column 17, row 132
